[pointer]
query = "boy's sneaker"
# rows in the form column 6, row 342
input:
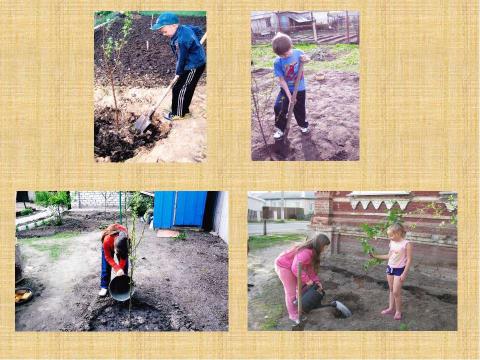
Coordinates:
column 171, row 117
column 304, row 130
column 278, row 134
column 102, row 292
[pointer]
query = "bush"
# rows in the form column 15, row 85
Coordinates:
column 139, row 204
column 26, row 211
column 57, row 201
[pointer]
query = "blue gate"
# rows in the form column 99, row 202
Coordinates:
column 178, row 208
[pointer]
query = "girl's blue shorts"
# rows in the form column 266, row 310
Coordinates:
column 395, row 271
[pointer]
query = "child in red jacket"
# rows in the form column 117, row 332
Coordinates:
column 286, row 266
column 114, row 242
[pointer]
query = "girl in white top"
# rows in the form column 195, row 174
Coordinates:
column 399, row 260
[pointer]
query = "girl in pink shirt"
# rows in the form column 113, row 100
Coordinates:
column 286, row 265
column 399, row 260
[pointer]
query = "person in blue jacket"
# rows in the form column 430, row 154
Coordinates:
column 191, row 61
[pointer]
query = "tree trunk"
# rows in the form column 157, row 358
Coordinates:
column 114, row 97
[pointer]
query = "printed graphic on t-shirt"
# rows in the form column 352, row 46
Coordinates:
column 289, row 71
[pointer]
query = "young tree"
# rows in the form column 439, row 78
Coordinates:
column 137, row 205
column 106, row 195
column 112, row 48
column 396, row 215
column 57, row 201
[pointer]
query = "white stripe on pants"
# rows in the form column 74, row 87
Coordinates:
column 181, row 94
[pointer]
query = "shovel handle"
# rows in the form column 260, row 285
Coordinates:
column 299, row 290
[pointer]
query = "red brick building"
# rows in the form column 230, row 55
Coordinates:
column 339, row 215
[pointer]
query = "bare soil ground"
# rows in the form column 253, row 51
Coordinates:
column 171, row 292
column 140, row 81
column 332, row 112
column 162, row 142
column 429, row 295
column 141, row 66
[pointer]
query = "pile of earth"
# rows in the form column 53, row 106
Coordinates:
column 73, row 221
column 142, row 317
column 120, row 142
column 152, row 67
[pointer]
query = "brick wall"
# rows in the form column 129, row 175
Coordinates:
column 339, row 215
column 95, row 199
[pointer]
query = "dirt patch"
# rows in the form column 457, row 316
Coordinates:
column 142, row 317
column 74, row 221
column 162, row 142
column 173, row 292
column 429, row 302
column 332, row 112
column 322, row 54
column 142, row 67
column 117, row 142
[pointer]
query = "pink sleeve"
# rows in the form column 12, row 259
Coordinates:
column 308, row 273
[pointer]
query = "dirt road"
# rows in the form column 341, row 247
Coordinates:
column 332, row 111
column 430, row 302
column 171, row 293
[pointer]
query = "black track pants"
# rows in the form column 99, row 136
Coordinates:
column 183, row 90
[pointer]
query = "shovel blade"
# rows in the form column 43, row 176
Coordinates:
column 343, row 309
column 142, row 123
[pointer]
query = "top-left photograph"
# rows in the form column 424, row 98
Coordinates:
column 150, row 86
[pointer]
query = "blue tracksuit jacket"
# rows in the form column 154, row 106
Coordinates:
column 186, row 46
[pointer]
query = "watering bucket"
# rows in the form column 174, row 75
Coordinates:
column 312, row 299
column 119, row 288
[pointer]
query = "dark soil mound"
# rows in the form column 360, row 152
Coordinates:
column 121, row 142
column 143, row 317
column 141, row 67
column 73, row 221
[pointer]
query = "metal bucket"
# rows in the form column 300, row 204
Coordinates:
column 119, row 288
column 312, row 299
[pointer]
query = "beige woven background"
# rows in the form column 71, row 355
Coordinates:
column 419, row 131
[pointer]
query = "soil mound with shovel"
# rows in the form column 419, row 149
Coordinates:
column 120, row 142
column 143, row 65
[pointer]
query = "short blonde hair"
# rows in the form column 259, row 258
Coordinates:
column 281, row 43
column 397, row 228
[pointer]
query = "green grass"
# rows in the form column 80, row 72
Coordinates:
column 275, row 312
column 256, row 242
column 26, row 211
column 348, row 57
column 104, row 16
column 56, row 245
column 179, row 13
column 263, row 55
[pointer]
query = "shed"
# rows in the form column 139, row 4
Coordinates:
column 207, row 210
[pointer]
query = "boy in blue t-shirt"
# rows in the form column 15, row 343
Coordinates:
column 191, row 60
column 286, row 70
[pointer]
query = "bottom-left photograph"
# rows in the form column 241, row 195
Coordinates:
column 121, row 261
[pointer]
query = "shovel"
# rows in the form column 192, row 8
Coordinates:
column 144, row 121
column 291, row 105
column 301, row 319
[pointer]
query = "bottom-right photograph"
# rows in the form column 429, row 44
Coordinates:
column 352, row 260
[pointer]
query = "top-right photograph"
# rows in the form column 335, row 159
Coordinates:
column 305, row 85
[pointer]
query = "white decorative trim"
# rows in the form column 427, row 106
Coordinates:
column 354, row 203
column 376, row 204
column 378, row 193
column 403, row 204
column 365, row 203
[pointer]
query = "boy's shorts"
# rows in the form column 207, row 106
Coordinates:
column 395, row 271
